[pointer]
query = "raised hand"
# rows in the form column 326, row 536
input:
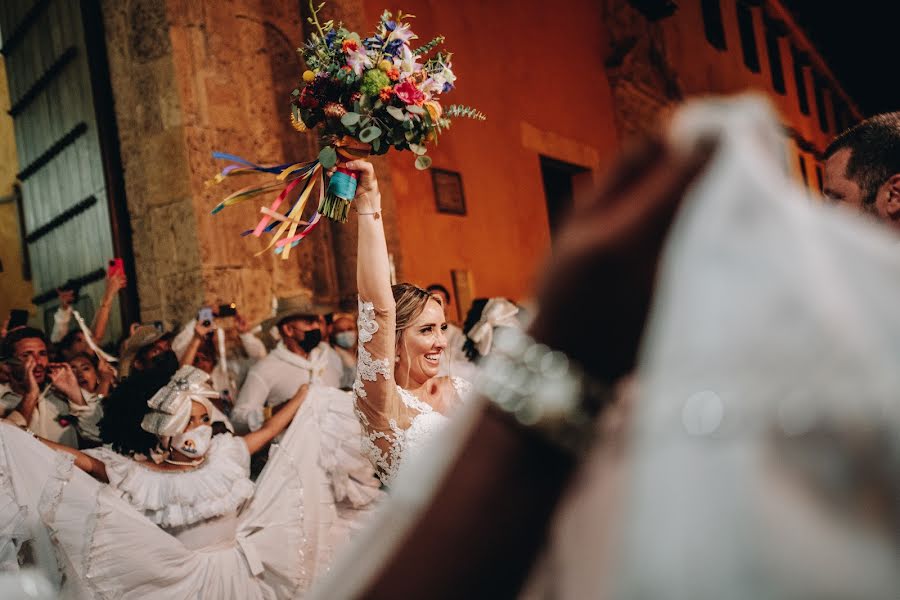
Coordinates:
column 63, row 378
column 114, row 283
column 31, row 384
column 367, row 199
column 105, row 371
column 202, row 331
column 241, row 323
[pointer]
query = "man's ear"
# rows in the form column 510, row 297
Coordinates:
column 892, row 204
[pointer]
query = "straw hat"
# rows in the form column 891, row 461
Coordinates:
column 142, row 337
column 301, row 305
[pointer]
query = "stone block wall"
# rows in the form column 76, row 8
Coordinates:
column 188, row 78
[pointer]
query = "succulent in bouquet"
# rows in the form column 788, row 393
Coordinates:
column 363, row 96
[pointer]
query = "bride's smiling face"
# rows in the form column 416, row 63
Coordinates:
column 422, row 344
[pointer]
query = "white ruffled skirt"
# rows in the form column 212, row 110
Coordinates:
column 316, row 490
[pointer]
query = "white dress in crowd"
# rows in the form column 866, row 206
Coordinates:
column 205, row 533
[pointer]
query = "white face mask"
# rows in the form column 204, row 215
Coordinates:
column 345, row 339
column 194, row 443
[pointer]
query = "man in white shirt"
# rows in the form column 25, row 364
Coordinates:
column 301, row 357
column 47, row 394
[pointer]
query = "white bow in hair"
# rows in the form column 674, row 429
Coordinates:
column 171, row 405
column 498, row 312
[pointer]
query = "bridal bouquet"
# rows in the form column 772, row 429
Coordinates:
column 365, row 96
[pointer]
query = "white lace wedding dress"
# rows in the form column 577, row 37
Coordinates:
column 206, row 533
column 388, row 445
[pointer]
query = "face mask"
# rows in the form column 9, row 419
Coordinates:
column 194, row 443
column 345, row 339
column 311, row 339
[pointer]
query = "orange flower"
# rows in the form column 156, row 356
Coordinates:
column 351, row 45
column 434, row 110
column 393, row 74
column 386, row 93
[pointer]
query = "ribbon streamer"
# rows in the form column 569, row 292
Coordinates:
column 90, row 339
column 290, row 177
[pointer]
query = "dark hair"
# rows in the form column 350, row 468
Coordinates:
column 88, row 357
column 125, row 407
column 472, row 318
column 436, row 287
column 69, row 339
column 8, row 347
column 874, row 146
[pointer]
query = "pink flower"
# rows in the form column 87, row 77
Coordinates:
column 409, row 93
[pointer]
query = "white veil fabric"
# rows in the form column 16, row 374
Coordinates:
column 764, row 452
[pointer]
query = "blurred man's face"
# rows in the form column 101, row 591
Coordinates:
column 297, row 328
column 343, row 324
column 158, row 347
column 837, row 186
column 36, row 349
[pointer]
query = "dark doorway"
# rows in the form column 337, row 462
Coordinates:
column 561, row 180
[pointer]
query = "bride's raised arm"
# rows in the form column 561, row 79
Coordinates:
column 375, row 388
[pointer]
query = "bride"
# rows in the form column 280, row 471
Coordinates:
column 400, row 400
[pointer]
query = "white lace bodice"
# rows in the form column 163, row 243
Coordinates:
column 398, row 443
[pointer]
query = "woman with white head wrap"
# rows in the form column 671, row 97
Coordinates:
column 189, row 523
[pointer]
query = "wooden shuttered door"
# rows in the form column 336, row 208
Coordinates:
column 68, row 171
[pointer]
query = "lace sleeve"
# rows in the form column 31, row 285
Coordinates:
column 376, row 401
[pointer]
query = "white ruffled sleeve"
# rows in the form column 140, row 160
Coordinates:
column 177, row 498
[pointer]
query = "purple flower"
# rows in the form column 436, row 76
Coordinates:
column 375, row 41
column 390, row 25
column 393, row 47
column 329, row 37
column 447, row 87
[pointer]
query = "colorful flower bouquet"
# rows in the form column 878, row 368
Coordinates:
column 366, row 96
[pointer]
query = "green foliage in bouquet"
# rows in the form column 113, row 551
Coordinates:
column 368, row 95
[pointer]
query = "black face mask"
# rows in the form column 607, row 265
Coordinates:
column 311, row 339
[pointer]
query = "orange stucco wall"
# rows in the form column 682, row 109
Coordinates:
column 703, row 69
column 545, row 93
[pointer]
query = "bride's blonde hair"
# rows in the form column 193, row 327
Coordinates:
column 410, row 301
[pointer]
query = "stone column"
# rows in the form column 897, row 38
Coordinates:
column 190, row 77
